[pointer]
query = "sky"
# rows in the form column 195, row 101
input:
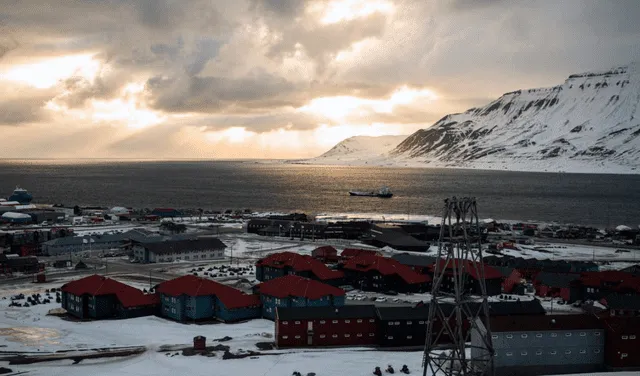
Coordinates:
column 173, row 79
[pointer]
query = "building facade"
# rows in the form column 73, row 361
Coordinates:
column 543, row 345
column 376, row 273
column 169, row 250
column 191, row 298
column 296, row 291
column 354, row 325
column 281, row 264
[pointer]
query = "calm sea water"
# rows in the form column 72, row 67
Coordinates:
column 575, row 198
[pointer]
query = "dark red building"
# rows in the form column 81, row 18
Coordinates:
column 558, row 285
column 353, row 325
column 597, row 285
column 349, row 253
column 493, row 277
column 376, row 273
column 622, row 343
column 284, row 263
column 326, row 254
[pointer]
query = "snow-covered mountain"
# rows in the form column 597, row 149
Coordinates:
column 591, row 123
column 360, row 150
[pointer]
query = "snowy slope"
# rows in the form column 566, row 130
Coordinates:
column 590, row 123
column 360, row 149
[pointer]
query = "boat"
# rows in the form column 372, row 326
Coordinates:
column 21, row 195
column 383, row 192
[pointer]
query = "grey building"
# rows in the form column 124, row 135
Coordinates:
column 543, row 345
column 73, row 244
column 180, row 248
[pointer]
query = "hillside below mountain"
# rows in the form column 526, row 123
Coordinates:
column 590, row 123
column 360, row 150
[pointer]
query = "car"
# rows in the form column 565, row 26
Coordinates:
column 347, row 288
column 396, row 300
column 390, row 292
column 380, row 300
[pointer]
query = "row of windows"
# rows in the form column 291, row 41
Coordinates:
column 628, row 337
column 391, row 323
column 323, row 321
column 552, row 352
column 391, row 337
column 540, row 335
column 335, row 336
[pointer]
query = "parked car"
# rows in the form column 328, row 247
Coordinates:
column 381, row 299
column 390, row 292
column 347, row 288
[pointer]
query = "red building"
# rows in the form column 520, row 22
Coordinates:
column 493, row 277
column 512, row 280
column 353, row 325
column 557, row 285
column 284, row 263
column 597, row 285
column 326, row 254
column 622, row 343
column 377, row 273
column 349, row 253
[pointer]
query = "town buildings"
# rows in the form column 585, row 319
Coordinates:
column 285, row 263
column 354, row 325
column 99, row 297
column 558, row 285
column 166, row 212
column 493, row 277
column 543, row 345
column 191, row 298
column 326, row 254
column 388, row 235
column 418, row 263
column 73, row 244
column 295, row 291
column 376, row 273
column 174, row 249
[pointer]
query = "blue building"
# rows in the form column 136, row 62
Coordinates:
column 191, row 298
column 296, row 291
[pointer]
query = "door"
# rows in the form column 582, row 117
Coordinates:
column 310, row 333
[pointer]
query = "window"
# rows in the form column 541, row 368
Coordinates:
column 390, row 337
column 509, row 336
column 567, row 334
column 421, row 322
column 509, row 354
column 390, row 323
column 539, row 352
column 335, row 321
column 371, row 334
column 285, row 337
column 297, row 322
column 409, row 323
column 347, row 321
column 359, row 321
column 494, row 336
column 321, row 321
column 372, row 320
column 583, row 351
column 596, row 333
column 322, row 336
column 524, row 336
column 596, row 351
column 335, row 336
column 285, row 323
column 347, row 335
column 409, row 337
column 624, row 355
column 539, row 335
column 554, row 335
column 523, row 353
column 359, row 334
column 567, row 352
column 552, row 352
column 632, row 337
column 624, row 337
column 582, row 334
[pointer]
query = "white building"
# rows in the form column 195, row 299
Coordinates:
column 169, row 250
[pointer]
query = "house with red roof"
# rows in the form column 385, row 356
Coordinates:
column 100, row 297
column 349, row 253
column 376, row 273
column 191, row 298
column 598, row 285
column 296, row 291
column 326, row 254
column 493, row 277
column 285, row 263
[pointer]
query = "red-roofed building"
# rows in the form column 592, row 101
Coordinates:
column 193, row 298
column 597, row 285
column 296, row 291
column 349, row 253
column 285, row 263
column 100, row 297
column 493, row 277
column 371, row 272
column 326, row 254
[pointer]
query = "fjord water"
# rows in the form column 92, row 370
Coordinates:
column 594, row 199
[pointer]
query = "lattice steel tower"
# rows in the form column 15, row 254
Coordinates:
column 453, row 312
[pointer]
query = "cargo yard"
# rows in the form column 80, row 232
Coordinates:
column 87, row 288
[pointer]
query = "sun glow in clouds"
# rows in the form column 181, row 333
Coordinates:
column 346, row 10
column 340, row 107
column 47, row 73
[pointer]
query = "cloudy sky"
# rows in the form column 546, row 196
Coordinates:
column 277, row 78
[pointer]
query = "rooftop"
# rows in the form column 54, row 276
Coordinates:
column 300, row 263
column 96, row 285
column 470, row 268
column 385, row 266
column 312, row 313
column 293, row 285
column 414, row 260
column 180, row 245
column 558, row 280
column 191, row 285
